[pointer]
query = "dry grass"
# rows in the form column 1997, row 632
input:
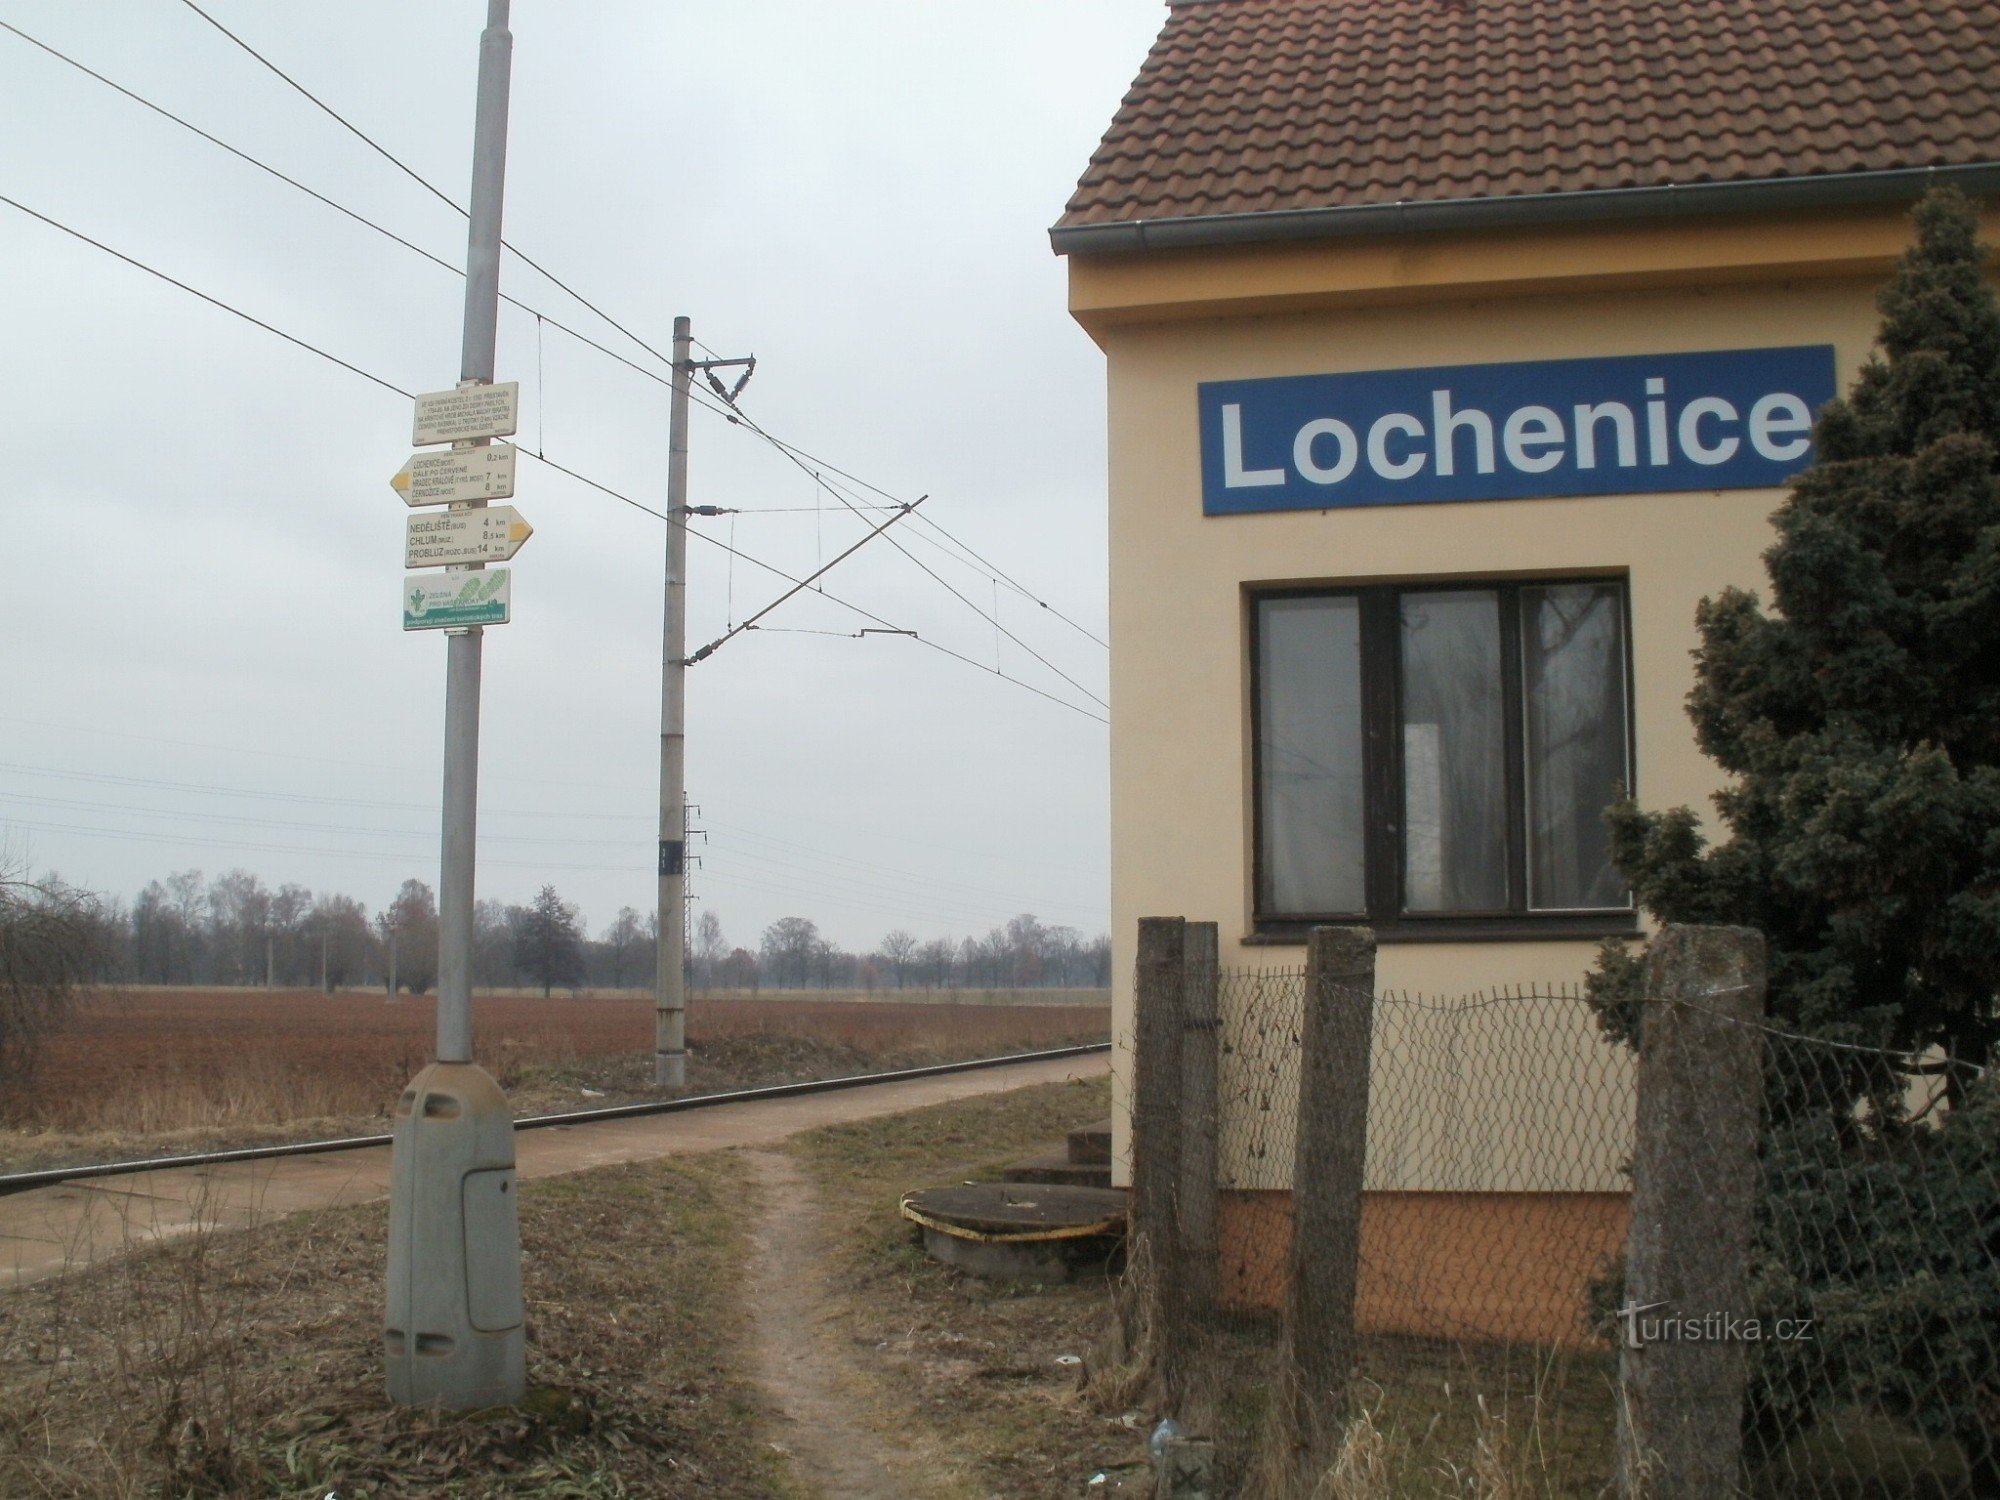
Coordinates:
column 143, row 1072
column 963, row 1372
column 247, row 1362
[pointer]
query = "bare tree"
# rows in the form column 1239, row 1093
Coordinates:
column 711, row 948
column 239, row 914
column 900, row 948
column 52, row 944
column 187, row 895
column 740, row 970
column 158, row 944
column 291, row 910
column 934, row 960
column 338, row 926
column 790, row 945
column 1065, row 948
column 492, row 945
column 621, row 942
column 411, row 926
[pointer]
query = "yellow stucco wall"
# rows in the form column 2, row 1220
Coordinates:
column 1180, row 736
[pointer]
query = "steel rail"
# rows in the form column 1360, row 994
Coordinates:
column 21, row 1182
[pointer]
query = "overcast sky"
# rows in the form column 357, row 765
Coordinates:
column 201, row 555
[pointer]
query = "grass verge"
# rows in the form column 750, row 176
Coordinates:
column 961, row 1372
column 247, row 1362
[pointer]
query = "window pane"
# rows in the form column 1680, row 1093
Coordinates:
column 1454, row 753
column 1309, row 744
column 1573, row 677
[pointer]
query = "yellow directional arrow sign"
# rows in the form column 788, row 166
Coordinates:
column 450, row 475
column 442, row 539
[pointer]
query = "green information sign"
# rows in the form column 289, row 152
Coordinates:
column 449, row 601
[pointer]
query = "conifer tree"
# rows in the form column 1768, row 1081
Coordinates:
column 548, row 941
column 1859, row 717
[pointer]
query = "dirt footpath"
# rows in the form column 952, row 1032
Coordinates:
column 48, row 1230
column 792, row 1356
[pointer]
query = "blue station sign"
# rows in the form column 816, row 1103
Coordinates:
column 1628, row 424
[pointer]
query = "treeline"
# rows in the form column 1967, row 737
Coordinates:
column 234, row 930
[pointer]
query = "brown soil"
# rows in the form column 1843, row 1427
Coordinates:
column 792, row 1354
column 156, row 1072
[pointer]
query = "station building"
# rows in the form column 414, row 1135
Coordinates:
column 1455, row 350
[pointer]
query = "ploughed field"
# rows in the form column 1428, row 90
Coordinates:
column 142, row 1070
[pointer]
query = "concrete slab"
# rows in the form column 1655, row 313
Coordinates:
column 47, row 1230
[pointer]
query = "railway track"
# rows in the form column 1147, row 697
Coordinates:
column 20, row 1182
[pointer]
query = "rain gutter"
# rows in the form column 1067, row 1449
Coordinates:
column 1602, row 205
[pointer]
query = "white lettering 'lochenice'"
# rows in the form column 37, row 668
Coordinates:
column 1706, row 430
column 1234, row 474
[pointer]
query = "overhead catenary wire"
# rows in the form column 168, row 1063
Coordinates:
column 290, row 338
column 976, row 560
column 541, row 316
column 810, row 579
column 660, row 515
column 970, row 557
column 408, row 395
column 992, row 619
column 410, row 172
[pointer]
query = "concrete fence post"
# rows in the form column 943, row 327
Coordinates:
column 1694, row 1191
column 1326, row 1189
column 1154, row 1243
column 1201, row 1064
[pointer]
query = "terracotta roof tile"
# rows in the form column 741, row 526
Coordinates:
column 1253, row 106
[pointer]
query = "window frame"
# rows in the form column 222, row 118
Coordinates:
column 1381, row 696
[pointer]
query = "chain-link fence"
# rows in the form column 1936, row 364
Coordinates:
column 1393, row 1244
column 1871, row 1343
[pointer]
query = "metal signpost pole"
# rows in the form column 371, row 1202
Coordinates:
column 454, row 1335
column 463, row 648
column 670, row 965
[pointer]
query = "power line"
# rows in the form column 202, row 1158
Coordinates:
column 791, row 451
column 794, row 850
column 889, row 628
column 992, row 620
column 703, row 536
column 957, row 656
column 820, row 481
column 615, row 494
column 387, row 384
column 194, row 841
column 357, row 216
column 977, row 561
column 359, row 830
column 152, row 783
column 991, row 568
column 410, row 172
column 801, row 457
column 237, row 152
column 751, row 623
column 211, row 301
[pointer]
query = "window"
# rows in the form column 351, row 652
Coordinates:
column 1436, row 759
